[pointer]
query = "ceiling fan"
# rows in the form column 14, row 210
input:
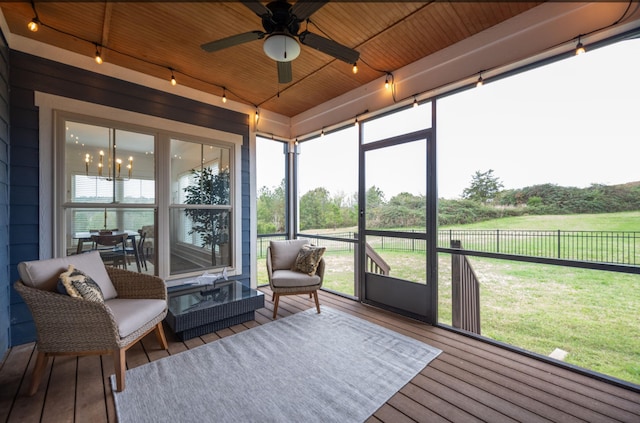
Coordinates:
column 281, row 23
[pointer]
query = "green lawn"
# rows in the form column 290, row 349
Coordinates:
column 623, row 221
column 593, row 315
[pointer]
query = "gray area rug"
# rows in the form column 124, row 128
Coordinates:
column 308, row 367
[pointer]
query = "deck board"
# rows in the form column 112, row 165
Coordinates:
column 91, row 405
column 470, row 381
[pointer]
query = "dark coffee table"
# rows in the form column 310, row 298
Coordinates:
column 204, row 309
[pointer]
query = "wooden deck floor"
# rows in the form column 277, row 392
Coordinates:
column 470, row 381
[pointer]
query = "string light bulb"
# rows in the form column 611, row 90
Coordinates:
column 322, row 133
column 355, row 68
column 34, row 24
column 415, row 101
column 173, row 78
column 386, row 82
column 357, row 123
column 224, row 95
column 98, row 58
column 480, row 82
column 580, row 48
column 257, row 117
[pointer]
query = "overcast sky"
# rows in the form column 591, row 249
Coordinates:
column 572, row 123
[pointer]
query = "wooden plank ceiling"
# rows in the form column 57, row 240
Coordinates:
column 151, row 37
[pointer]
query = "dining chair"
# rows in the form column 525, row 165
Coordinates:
column 140, row 245
column 149, row 242
column 112, row 248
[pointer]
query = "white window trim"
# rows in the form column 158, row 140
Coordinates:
column 49, row 104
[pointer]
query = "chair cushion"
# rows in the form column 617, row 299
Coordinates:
column 43, row 274
column 132, row 314
column 284, row 253
column 75, row 283
column 293, row 279
column 308, row 259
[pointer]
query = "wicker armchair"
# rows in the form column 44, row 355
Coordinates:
column 135, row 305
column 281, row 256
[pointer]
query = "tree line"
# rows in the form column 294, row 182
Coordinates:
column 484, row 199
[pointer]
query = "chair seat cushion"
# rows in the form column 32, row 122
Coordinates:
column 132, row 314
column 43, row 274
column 293, row 279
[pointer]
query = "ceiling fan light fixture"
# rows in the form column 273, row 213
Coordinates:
column 281, row 47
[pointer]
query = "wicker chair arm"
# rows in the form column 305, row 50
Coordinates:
column 269, row 265
column 320, row 270
column 130, row 284
column 69, row 324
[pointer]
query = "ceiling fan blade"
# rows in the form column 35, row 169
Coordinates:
column 329, row 47
column 305, row 8
column 285, row 74
column 256, row 7
column 234, row 40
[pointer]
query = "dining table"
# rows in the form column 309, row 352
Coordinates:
column 85, row 236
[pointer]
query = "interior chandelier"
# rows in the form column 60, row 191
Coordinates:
column 281, row 47
column 109, row 168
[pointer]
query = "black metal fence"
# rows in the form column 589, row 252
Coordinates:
column 617, row 247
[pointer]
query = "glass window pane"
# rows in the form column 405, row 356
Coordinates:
column 328, row 182
column 401, row 122
column 270, row 179
column 107, row 165
column 200, row 173
column 199, row 240
column 199, row 236
column 81, row 223
column 328, row 202
column 396, row 181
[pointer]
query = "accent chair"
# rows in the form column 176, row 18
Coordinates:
column 284, row 276
column 90, row 320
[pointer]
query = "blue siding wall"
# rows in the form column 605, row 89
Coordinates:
column 30, row 74
column 4, row 198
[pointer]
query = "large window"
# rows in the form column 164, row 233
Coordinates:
column 172, row 195
column 328, row 202
column 272, row 203
column 109, row 185
column 542, row 166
